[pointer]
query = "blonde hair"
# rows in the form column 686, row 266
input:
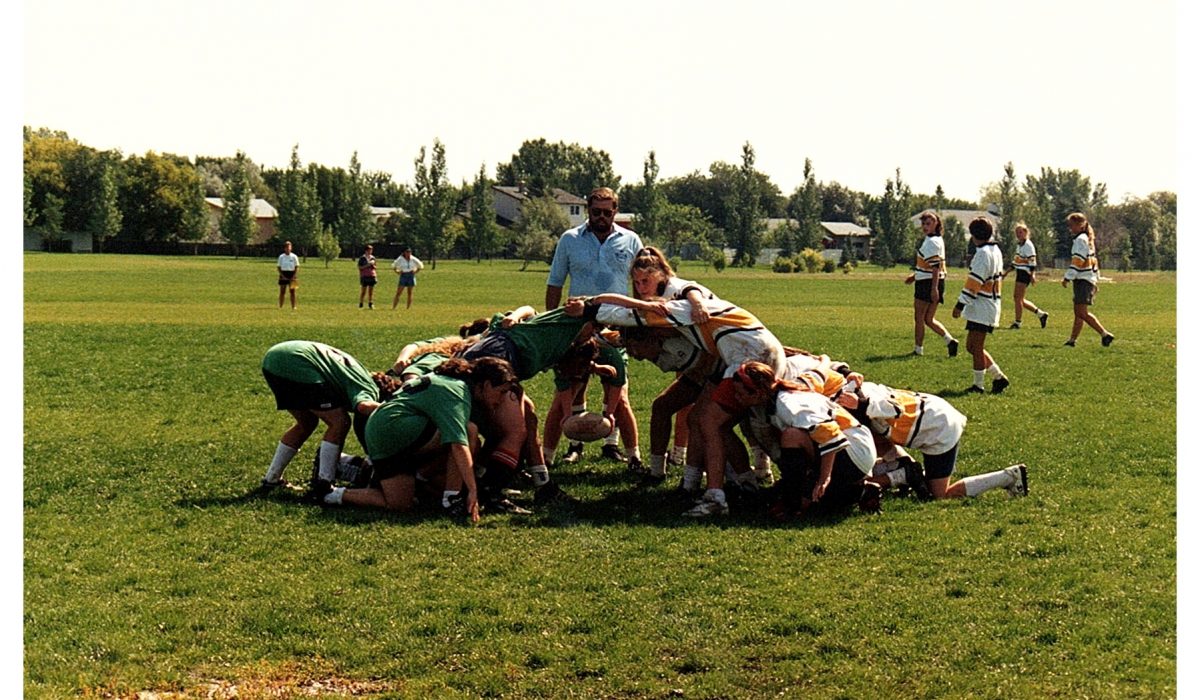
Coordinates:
column 651, row 259
column 1078, row 218
column 1020, row 227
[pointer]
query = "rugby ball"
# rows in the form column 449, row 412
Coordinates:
column 587, row 427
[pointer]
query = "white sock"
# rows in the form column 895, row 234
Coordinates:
column 714, row 495
column 896, row 476
column 691, row 477
column 578, row 408
column 540, row 474
column 975, row 485
column 548, row 454
column 327, row 459
column 948, row 338
column 613, row 437
column 993, row 371
column 635, row 453
column 658, row 465
column 344, row 459
column 446, row 498
column 918, row 350
column 979, row 377
column 283, row 456
column 334, row 497
column 679, row 454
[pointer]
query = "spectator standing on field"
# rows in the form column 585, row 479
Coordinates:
column 366, row 278
column 597, row 257
column 289, row 273
column 407, row 266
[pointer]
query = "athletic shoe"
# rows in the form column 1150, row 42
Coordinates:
column 503, row 505
column 1020, row 486
column 612, row 452
column 360, row 304
column 686, row 494
column 317, row 489
column 455, row 505
column 1071, row 343
column 1042, row 318
column 635, row 466
column 370, row 306
column 551, row 493
column 999, row 384
column 266, row 487
column 918, row 353
column 1107, row 340
column 974, row 389
column 952, row 348
column 574, row 453
column 706, row 508
column 1016, row 326
column 868, row 502
column 914, row 475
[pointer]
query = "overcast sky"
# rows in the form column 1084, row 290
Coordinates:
column 948, row 91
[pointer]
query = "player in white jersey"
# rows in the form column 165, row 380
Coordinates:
column 979, row 304
column 1025, row 264
column 1084, row 274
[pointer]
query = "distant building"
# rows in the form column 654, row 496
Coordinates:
column 381, row 214
column 264, row 216
column 508, row 200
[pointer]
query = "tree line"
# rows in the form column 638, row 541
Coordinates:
column 69, row 186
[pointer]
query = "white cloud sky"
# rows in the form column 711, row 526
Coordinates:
column 945, row 90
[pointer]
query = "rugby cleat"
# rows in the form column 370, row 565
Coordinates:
column 707, row 508
column 612, row 452
column 952, row 348
column 1020, row 485
column 1042, row 317
column 574, row 453
column 999, row 384
column 551, row 493
column 868, row 502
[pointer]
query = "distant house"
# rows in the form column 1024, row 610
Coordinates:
column 834, row 235
column 381, row 214
column 264, row 216
column 66, row 242
column 508, row 200
column 964, row 216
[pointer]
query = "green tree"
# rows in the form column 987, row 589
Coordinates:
column 954, row 235
column 299, row 208
column 534, row 236
column 27, row 210
column 840, row 203
column 481, row 230
column 683, row 223
column 356, row 225
column 237, row 221
column 432, row 203
column 745, row 219
column 650, row 209
column 1055, row 194
column 328, row 247
column 805, row 207
column 161, row 199
column 1011, row 204
column 51, row 228
column 104, row 211
column 215, row 173
column 541, row 166
column 891, row 221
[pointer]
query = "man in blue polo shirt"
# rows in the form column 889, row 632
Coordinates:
column 596, row 256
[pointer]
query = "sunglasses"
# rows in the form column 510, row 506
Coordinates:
column 596, row 211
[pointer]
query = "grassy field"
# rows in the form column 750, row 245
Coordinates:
column 149, row 568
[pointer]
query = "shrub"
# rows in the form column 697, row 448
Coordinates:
column 829, row 265
column 717, row 258
column 676, row 262
column 811, row 260
column 783, row 264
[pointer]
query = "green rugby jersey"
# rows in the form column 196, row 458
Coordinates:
column 433, row 399
column 308, row 362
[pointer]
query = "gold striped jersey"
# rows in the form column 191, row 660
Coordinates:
column 731, row 333
column 1026, row 256
column 929, row 258
column 913, row 419
column 980, row 296
column 1084, row 265
column 830, row 426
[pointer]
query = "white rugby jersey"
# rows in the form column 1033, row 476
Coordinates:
column 913, row 419
column 929, row 258
column 831, row 427
column 1084, row 265
column 980, row 296
column 731, row 333
column 1025, row 258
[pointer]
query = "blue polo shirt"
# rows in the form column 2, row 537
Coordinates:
column 594, row 267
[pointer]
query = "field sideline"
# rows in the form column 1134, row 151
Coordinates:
column 148, row 568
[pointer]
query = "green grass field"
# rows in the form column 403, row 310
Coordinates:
column 148, row 568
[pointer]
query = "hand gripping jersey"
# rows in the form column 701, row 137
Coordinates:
column 911, row 419
column 1084, row 265
column 929, row 258
column 980, row 296
column 731, row 333
column 1025, row 259
column 830, row 426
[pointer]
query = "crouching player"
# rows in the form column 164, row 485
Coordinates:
column 824, row 453
column 930, row 424
column 318, row 383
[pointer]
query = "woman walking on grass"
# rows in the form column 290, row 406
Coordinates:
column 979, row 304
column 1084, row 274
column 1025, row 264
column 929, row 274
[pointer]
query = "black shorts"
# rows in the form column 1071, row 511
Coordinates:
column 285, row 277
column 981, row 327
column 1084, row 292
column 1023, row 277
column 495, row 344
column 404, row 463
column 941, row 466
column 924, row 287
column 366, row 281
column 296, row 396
column 407, row 279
